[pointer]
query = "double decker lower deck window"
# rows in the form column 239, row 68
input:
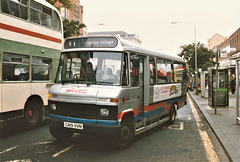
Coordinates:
column 41, row 68
column 15, row 67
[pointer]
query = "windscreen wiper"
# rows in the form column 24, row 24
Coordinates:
column 104, row 83
column 68, row 80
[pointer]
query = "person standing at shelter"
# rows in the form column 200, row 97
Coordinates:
column 233, row 85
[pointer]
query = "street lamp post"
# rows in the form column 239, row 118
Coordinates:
column 196, row 71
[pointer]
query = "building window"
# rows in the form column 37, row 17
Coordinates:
column 76, row 13
column 65, row 13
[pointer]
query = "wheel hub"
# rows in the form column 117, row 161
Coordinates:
column 125, row 133
column 30, row 113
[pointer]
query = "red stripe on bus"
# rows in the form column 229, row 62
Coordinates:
column 155, row 106
column 135, row 112
column 29, row 33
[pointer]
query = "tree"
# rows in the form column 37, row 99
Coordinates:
column 72, row 27
column 204, row 57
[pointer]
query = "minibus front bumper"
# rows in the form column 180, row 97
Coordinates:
column 87, row 127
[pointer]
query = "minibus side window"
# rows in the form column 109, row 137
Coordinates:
column 134, row 71
column 152, row 73
column 125, row 70
column 164, row 71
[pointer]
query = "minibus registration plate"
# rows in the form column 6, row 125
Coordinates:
column 73, row 125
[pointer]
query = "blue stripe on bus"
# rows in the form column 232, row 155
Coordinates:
column 154, row 112
column 83, row 121
column 170, row 102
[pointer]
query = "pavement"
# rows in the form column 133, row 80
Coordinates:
column 223, row 123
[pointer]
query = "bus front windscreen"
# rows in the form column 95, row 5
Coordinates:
column 90, row 68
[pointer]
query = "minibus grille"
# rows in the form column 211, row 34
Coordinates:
column 84, row 111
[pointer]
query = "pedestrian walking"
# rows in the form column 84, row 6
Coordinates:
column 233, row 85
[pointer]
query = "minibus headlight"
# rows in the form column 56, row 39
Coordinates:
column 104, row 112
column 108, row 100
column 53, row 107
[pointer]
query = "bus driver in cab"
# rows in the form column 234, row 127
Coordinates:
column 89, row 72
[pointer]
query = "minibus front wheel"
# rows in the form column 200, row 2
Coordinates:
column 125, row 138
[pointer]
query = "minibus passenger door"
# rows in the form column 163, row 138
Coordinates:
column 137, row 69
column 141, row 86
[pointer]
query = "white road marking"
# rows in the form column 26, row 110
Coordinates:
column 21, row 160
column 43, row 143
column 209, row 149
column 176, row 126
column 9, row 149
column 60, row 152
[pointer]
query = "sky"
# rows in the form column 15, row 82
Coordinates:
column 151, row 20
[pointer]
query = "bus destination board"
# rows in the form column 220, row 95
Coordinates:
column 98, row 42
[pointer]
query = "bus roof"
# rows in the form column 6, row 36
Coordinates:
column 96, row 43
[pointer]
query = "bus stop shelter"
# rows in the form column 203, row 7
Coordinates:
column 236, row 57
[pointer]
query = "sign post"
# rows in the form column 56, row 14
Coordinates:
column 216, row 87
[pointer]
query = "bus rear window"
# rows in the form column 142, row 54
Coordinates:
column 180, row 74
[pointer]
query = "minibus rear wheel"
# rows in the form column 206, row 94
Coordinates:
column 60, row 134
column 172, row 115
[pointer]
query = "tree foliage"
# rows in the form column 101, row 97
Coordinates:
column 72, row 27
column 204, row 56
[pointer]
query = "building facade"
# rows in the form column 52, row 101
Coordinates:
column 228, row 48
column 235, row 42
column 75, row 13
column 130, row 37
column 216, row 40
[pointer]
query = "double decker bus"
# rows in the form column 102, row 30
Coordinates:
column 105, row 85
column 31, row 37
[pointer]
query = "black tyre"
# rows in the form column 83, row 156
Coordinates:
column 125, row 138
column 33, row 113
column 60, row 134
column 172, row 115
